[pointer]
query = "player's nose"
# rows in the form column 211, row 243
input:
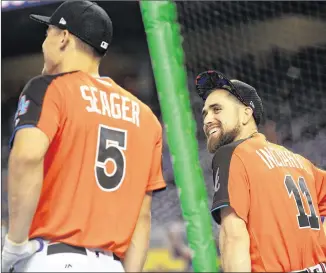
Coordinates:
column 206, row 126
column 209, row 118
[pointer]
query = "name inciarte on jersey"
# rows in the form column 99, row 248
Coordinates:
column 279, row 158
column 112, row 105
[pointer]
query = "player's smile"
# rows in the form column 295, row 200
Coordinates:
column 212, row 131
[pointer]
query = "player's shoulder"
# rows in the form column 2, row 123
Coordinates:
column 225, row 153
column 147, row 114
column 309, row 166
column 303, row 162
column 37, row 87
column 131, row 96
column 300, row 157
column 38, row 84
column 246, row 148
column 289, row 151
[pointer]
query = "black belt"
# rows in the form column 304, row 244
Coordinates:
column 309, row 269
column 65, row 248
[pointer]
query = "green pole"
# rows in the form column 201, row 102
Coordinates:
column 164, row 40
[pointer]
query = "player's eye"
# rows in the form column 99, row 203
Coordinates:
column 216, row 110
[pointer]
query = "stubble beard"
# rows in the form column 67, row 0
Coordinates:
column 224, row 138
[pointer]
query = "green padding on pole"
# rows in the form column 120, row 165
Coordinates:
column 164, row 40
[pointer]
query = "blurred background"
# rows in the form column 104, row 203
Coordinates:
column 278, row 47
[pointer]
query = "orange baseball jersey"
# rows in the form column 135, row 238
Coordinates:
column 105, row 153
column 280, row 195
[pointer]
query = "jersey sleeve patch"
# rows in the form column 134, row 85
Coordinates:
column 221, row 164
column 30, row 104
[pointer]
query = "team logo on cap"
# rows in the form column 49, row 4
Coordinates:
column 227, row 87
column 62, row 21
column 104, row 45
column 252, row 104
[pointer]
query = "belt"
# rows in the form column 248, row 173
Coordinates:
column 321, row 267
column 65, row 248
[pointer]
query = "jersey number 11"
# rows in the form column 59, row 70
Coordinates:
column 304, row 220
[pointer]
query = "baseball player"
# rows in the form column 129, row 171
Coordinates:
column 85, row 158
column 267, row 199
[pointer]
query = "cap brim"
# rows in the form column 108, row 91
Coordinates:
column 210, row 80
column 40, row 18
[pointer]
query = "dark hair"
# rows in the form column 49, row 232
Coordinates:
column 88, row 48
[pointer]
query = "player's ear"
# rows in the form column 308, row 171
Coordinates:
column 247, row 114
column 64, row 39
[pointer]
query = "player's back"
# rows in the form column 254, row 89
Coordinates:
column 284, row 223
column 98, row 166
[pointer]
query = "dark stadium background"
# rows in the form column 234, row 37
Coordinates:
column 278, row 47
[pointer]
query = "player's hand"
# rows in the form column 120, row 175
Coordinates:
column 13, row 253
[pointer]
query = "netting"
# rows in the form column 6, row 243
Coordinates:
column 277, row 47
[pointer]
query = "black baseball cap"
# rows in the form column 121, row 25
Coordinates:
column 208, row 81
column 84, row 19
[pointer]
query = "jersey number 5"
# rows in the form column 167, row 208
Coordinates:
column 111, row 144
column 304, row 220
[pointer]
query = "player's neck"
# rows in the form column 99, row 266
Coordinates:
column 247, row 133
column 82, row 63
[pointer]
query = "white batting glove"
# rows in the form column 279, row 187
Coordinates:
column 13, row 253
